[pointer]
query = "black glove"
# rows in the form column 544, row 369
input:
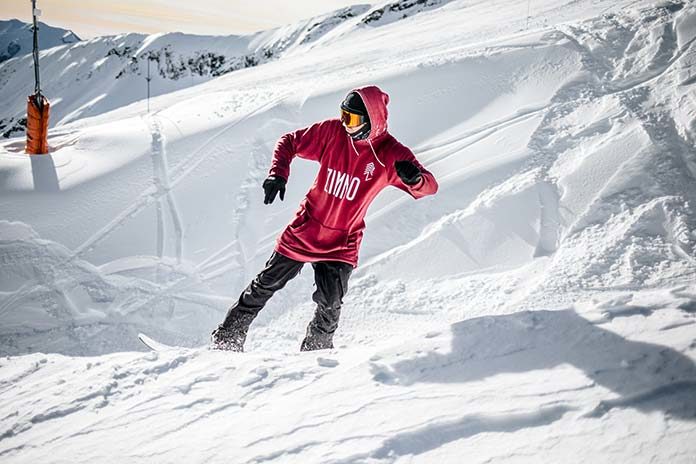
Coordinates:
column 271, row 187
column 408, row 172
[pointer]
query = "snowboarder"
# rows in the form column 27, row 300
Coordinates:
column 358, row 158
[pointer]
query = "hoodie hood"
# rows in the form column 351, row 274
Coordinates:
column 376, row 103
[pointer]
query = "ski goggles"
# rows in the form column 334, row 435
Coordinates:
column 352, row 119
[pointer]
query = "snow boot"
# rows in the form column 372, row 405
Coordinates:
column 316, row 339
column 227, row 339
column 317, row 343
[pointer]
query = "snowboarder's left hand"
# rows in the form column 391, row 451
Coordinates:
column 271, row 187
column 408, row 172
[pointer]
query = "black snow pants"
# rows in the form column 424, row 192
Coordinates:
column 331, row 279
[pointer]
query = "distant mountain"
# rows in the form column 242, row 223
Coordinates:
column 95, row 76
column 17, row 38
column 104, row 73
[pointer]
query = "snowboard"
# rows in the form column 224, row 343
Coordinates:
column 154, row 345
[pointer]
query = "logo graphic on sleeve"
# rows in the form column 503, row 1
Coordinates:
column 369, row 170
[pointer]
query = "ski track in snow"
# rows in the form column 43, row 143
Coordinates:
column 179, row 172
column 233, row 255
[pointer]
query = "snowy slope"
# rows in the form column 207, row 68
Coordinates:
column 17, row 38
column 541, row 301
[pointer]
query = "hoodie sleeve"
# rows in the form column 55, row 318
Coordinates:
column 426, row 186
column 307, row 143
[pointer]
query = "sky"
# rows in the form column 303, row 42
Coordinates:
column 91, row 18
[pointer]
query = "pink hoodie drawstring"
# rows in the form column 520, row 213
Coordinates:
column 353, row 143
column 375, row 153
column 371, row 147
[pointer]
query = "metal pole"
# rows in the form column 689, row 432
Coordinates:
column 148, row 79
column 37, row 88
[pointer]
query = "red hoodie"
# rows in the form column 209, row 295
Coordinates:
column 329, row 223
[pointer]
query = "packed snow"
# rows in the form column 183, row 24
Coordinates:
column 541, row 307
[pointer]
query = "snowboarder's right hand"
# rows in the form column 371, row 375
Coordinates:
column 271, row 187
column 408, row 172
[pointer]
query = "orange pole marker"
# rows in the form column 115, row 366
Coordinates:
column 38, row 109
